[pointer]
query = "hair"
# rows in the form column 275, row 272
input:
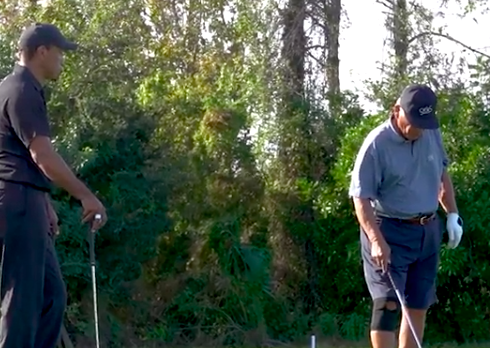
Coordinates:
column 28, row 53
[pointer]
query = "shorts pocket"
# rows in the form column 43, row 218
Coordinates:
column 13, row 199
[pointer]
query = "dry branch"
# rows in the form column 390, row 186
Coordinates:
column 447, row 37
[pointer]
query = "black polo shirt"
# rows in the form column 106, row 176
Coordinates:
column 23, row 117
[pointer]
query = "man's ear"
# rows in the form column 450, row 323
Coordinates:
column 396, row 110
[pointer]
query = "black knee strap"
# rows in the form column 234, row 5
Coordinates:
column 384, row 319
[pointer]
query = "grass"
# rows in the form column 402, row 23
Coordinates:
column 367, row 345
column 325, row 345
column 364, row 345
column 441, row 345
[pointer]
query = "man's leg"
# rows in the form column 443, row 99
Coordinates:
column 384, row 322
column 54, row 302
column 23, row 225
column 406, row 339
column 421, row 285
column 404, row 241
column 385, row 315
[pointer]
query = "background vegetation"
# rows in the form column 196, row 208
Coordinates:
column 219, row 137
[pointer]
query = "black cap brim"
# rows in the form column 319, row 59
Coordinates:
column 68, row 46
column 429, row 121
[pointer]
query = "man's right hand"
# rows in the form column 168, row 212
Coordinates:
column 381, row 254
column 92, row 206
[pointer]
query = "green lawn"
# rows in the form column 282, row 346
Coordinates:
column 325, row 345
column 351, row 345
column 366, row 345
column 331, row 345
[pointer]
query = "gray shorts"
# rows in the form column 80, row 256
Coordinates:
column 414, row 262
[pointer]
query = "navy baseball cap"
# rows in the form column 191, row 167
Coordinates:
column 419, row 103
column 45, row 34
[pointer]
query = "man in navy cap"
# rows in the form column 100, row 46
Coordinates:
column 398, row 181
column 33, row 294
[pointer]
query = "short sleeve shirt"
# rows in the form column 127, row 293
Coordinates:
column 23, row 117
column 401, row 177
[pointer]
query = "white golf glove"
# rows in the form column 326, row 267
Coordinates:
column 454, row 226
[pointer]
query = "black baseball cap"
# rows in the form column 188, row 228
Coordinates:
column 419, row 103
column 44, row 34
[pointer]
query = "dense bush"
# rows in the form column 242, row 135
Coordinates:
column 229, row 217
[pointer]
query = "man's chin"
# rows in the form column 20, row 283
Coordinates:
column 55, row 77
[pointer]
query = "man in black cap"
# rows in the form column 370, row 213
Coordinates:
column 33, row 292
column 399, row 179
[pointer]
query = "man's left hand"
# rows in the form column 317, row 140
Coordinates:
column 454, row 226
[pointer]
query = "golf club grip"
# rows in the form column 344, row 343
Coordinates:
column 91, row 239
column 91, row 242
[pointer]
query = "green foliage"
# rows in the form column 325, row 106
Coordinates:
column 230, row 222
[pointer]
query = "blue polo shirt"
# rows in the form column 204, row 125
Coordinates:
column 402, row 178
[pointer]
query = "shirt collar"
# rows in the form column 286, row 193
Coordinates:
column 394, row 135
column 28, row 75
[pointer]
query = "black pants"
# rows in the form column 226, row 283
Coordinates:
column 32, row 289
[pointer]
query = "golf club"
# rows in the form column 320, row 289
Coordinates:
column 91, row 240
column 404, row 311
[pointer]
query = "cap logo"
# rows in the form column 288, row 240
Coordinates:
column 425, row 110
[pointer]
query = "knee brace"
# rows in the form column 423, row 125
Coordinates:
column 384, row 318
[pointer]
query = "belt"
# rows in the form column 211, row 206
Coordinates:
column 419, row 220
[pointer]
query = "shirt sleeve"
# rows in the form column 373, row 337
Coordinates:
column 442, row 149
column 366, row 175
column 28, row 116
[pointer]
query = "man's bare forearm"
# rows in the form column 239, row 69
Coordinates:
column 55, row 168
column 367, row 220
column 447, row 197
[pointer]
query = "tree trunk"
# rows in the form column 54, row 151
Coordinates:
column 294, row 47
column 400, row 32
column 295, row 149
column 293, row 116
column 332, row 10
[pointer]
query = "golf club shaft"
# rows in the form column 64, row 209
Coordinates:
column 94, row 284
column 404, row 311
